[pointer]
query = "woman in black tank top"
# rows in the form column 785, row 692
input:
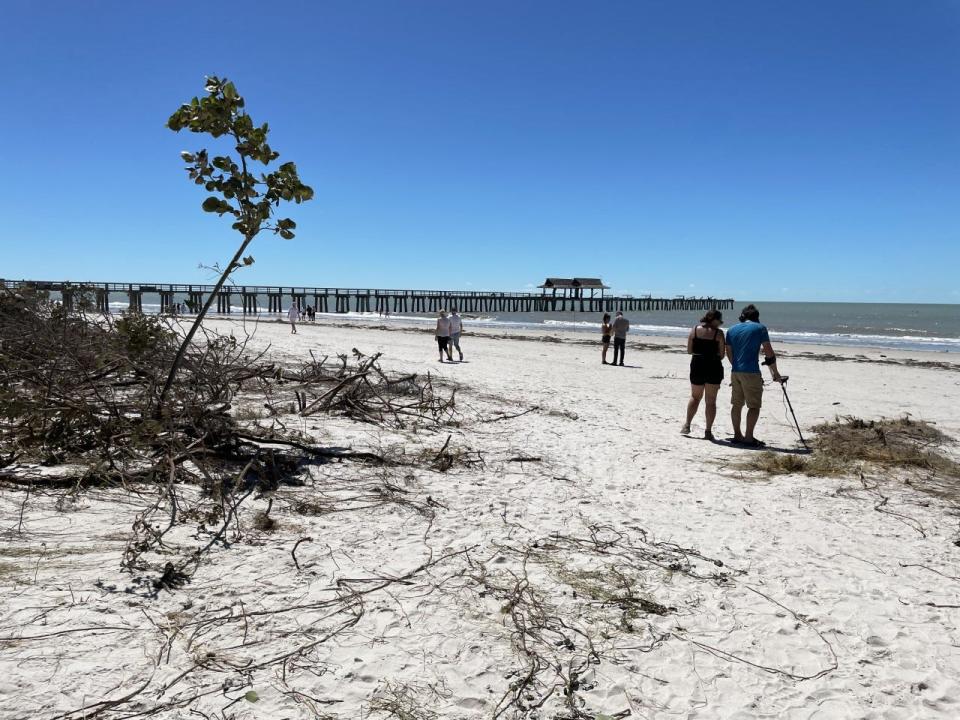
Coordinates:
column 706, row 346
column 605, row 332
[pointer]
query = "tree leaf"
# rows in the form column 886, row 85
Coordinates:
column 211, row 204
column 251, row 696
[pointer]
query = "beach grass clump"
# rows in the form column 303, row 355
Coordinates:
column 849, row 443
column 9, row 572
column 264, row 523
column 889, row 442
column 815, row 464
column 404, row 701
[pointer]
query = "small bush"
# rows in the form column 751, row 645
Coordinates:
column 142, row 334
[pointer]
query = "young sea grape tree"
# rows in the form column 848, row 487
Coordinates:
column 250, row 198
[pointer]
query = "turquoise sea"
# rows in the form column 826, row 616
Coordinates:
column 876, row 325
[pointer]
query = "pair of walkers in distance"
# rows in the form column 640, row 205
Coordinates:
column 742, row 346
column 448, row 334
column 618, row 329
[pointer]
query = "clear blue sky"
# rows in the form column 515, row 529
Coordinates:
column 779, row 150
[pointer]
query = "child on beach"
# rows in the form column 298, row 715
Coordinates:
column 605, row 331
column 442, row 333
column 706, row 346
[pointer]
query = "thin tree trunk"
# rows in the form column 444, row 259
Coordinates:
column 196, row 324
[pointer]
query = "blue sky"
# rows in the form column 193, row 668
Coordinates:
column 775, row 150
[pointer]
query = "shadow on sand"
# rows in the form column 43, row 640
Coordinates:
column 728, row 442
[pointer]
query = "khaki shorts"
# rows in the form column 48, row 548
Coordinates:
column 747, row 389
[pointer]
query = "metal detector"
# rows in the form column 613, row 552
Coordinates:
column 783, row 386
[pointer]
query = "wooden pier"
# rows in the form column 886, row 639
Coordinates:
column 247, row 299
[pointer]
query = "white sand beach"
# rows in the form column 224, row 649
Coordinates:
column 580, row 559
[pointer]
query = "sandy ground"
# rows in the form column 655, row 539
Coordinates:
column 790, row 597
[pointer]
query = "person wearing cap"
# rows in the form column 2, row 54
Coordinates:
column 745, row 341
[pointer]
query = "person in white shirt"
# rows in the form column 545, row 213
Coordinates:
column 456, row 327
column 442, row 334
column 293, row 314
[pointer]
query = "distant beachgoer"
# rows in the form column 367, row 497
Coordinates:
column 293, row 314
column 745, row 341
column 442, row 334
column 620, row 328
column 456, row 327
column 705, row 344
column 605, row 332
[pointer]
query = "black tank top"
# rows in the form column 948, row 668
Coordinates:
column 705, row 346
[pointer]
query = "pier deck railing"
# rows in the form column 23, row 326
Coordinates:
column 342, row 300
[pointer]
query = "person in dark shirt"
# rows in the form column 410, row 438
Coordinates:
column 745, row 341
column 620, row 328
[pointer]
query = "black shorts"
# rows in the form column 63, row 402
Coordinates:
column 705, row 370
column 605, row 340
column 442, row 342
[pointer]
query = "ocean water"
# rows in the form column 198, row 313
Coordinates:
column 928, row 327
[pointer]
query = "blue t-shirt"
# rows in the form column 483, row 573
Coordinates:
column 744, row 340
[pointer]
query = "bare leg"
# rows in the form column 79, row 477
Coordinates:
column 753, row 414
column 711, row 409
column 735, row 413
column 693, row 404
column 606, row 346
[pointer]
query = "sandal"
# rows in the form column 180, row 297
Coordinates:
column 707, row 435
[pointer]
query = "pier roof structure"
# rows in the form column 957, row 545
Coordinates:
column 573, row 287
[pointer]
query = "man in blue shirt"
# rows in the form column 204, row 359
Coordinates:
column 745, row 341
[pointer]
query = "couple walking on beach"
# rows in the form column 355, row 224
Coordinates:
column 742, row 347
column 448, row 334
column 619, row 330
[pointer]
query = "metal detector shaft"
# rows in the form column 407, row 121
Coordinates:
column 783, row 386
